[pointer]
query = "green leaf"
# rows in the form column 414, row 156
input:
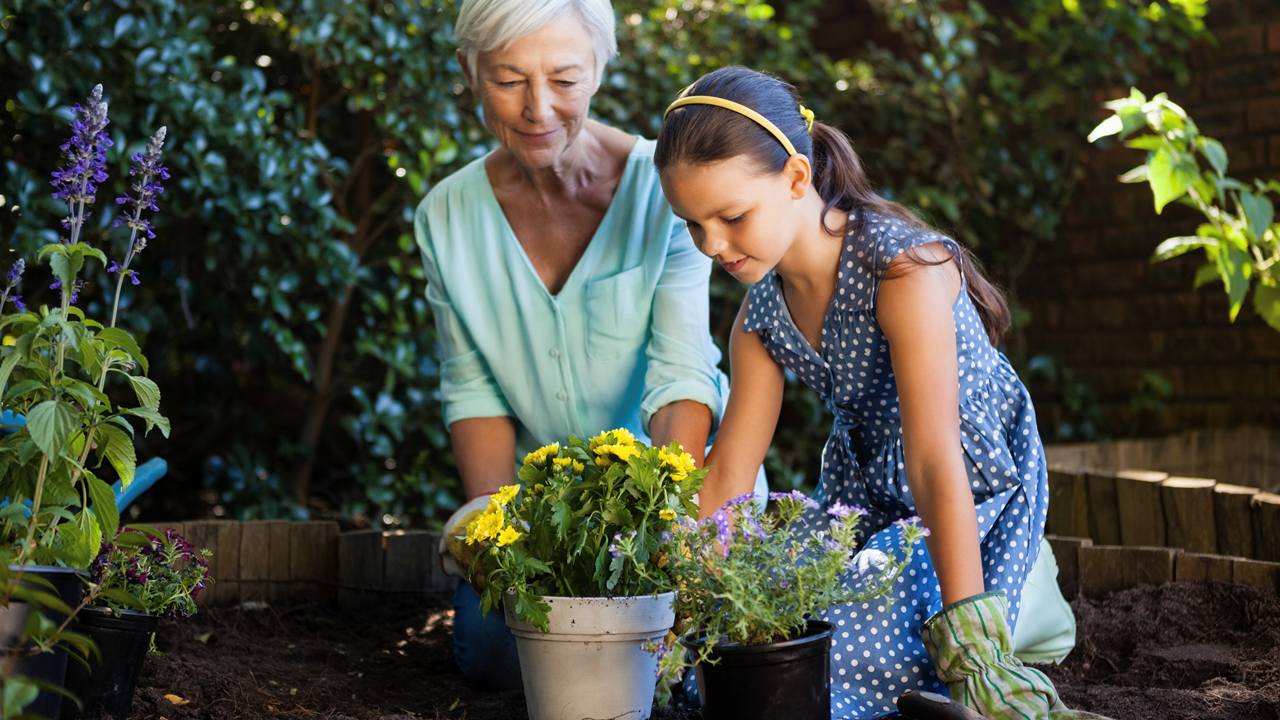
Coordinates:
column 1258, row 212
column 51, row 424
column 120, row 452
column 87, row 395
column 1167, row 182
column 1173, row 247
column 80, row 544
column 1206, row 274
column 1215, row 154
column 65, row 267
column 103, row 503
column 1106, row 128
column 6, row 368
column 1266, row 301
column 1234, row 266
column 121, row 339
column 148, row 392
column 1146, row 142
column 23, row 388
column 153, row 418
column 19, row 692
column 1136, row 175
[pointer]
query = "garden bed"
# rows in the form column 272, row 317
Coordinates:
column 1182, row 650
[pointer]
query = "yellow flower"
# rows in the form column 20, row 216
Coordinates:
column 578, row 467
column 486, row 526
column 667, row 514
column 603, row 461
column 622, row 452
column 621, row 436
column 563, row 462
column 541, row 454
column 681, row 465
column 508, row 536
column 504, row 495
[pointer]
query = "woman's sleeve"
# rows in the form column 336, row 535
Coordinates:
column 682, row 359
column 467, row 386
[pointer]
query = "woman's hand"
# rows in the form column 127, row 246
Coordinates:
column 755, row 399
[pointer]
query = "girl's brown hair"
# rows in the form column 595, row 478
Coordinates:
column 705, row 134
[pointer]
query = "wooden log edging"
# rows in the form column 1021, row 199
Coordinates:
column 1095, row 571
column 1143, row 508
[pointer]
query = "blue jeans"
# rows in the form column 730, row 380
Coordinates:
column 483, row 644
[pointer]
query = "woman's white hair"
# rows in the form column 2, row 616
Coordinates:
column 485, row 25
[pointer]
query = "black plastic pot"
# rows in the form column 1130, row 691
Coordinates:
column 789, row 679
column 51, row 666
column 106, row 688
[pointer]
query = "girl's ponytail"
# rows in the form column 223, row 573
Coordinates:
column 702, row 134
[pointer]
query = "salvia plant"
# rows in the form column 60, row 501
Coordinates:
column 55, row 365
column 748, row 577
column 588, row 520
column 1240, row 239
column 156, row 572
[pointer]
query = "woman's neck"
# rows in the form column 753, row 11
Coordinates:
column 587, row 159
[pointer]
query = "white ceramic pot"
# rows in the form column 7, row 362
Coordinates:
column 589, row 664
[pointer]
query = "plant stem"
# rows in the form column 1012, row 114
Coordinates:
column 35, row 502
column 115, row 305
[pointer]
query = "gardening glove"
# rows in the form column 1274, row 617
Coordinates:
column 972, row 650
column 456, row 554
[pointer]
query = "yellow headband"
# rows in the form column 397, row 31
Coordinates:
column 744, row 110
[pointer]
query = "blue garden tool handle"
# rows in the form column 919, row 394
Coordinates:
column 146, row 475
column 143, row 478
column 10, row 422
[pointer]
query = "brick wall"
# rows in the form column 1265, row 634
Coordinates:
column 1110, row 315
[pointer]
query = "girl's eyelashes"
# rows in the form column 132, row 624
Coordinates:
column 691, row 225
column 735, row 220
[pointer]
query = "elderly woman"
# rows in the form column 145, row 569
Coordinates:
column 567, row 297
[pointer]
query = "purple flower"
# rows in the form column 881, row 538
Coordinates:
column 912, row 522
column 784, row 584
column 17, row 302
column 85, row 153
column 146, row 189
column 133, row 276
column 614, row 551
column 724, row 532
column 740, row 500
column 840, row 510
column 795, row 496
column 75, row 289
column 15, row 273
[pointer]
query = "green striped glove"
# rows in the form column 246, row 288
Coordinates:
column 972, row 649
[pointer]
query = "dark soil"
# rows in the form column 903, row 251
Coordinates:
column 1199, row 651
column 1184, row 650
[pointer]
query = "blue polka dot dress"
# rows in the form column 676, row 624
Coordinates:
column 876, row 652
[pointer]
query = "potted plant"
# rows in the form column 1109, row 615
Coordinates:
column 750, row 584
column 142, row 576
column 62, row 425
column 576, row 557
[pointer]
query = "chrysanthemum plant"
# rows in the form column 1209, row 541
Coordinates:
column 56, row 367
column 748, row 577
column 587, row 520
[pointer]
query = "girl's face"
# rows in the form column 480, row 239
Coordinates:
column 743, row 220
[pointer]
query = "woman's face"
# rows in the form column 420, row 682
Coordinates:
column 536, row 93
column 741, row 219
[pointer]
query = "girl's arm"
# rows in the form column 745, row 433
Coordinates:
column 915, row 313
column 755, row 398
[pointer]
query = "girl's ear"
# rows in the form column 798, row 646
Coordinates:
column 799, row 174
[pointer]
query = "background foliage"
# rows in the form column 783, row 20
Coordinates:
column 282, row 304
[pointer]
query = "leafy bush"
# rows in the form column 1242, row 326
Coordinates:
column 286, row 315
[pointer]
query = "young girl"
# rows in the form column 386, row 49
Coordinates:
column 895, row 327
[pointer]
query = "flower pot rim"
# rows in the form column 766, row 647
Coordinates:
column 124, row 612
column 47, row 569
column 815, row 630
